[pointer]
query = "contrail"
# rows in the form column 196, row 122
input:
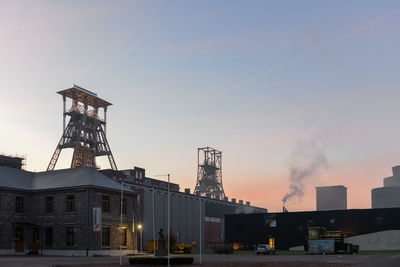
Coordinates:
column 130, row 47
column 150, row 31
column 306, row 54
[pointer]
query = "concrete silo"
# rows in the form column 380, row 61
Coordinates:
column 387, row 196
column 331, row 197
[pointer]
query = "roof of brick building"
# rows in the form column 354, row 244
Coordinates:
column 85, row 176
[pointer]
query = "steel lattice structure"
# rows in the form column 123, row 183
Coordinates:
column 85, row 131
column 209, row 173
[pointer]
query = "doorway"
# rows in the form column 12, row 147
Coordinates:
column 19, row 239
column 35, row 240
column 271, row 242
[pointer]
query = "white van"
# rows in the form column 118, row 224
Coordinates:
column 265, row 249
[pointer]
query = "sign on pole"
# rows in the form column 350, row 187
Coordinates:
column 97, row 219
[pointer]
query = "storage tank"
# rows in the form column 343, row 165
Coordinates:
column 387, row 196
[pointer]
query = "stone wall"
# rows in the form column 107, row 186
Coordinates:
column 86, row 241
column 8, row 215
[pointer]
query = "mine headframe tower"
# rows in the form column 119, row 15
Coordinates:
column 85, row 131
column 209, row 173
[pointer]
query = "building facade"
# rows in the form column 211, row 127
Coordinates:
column 51, row 213
column 187, row 215
column 371, row 229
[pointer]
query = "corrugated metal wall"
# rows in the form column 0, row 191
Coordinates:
column 184, row 218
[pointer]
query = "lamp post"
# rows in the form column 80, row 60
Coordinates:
column 169, row 232
column 120, row 242
column 141, row 238
column 154, row 230
column 200, row 225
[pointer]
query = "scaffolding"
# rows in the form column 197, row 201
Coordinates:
column 16, row 162
column 85, row 131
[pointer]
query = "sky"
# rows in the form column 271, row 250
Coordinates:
column 258, row 80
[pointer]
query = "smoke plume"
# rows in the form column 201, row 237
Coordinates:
column 305, row 162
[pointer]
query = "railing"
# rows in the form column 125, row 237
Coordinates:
column 81, row 109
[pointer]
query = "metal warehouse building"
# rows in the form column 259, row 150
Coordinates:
column 185, row 216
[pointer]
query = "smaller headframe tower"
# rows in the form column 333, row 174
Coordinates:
column 209, row 173
column 85, row 131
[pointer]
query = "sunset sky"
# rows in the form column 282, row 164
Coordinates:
column 255, row 79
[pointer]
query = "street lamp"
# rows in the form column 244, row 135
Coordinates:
column 169, row 232
column 120, row 215
column 141, row 238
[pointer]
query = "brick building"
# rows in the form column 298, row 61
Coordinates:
column 51, row 213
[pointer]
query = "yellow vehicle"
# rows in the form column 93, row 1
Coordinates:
column 184, row 248
column 321, row 241
column 181, row 248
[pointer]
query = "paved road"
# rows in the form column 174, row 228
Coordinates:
column 44, row 261
column 381, row 260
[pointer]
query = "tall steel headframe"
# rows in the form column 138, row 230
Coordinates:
column 209, row 173
column 85, row 131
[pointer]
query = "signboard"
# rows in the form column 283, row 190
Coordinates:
column 97, row 219
column 321, row 246
column 333, row 234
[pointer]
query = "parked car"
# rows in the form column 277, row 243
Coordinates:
column 265, row 249
column 223, row 249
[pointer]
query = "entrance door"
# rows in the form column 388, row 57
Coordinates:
column 35, row 240
column 19, row 239
column 271, row 242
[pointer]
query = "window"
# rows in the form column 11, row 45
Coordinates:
column 19, row 205
column 105, row 204
column 70, row 236
column 124, row 237
column 49, row 205
column 332, row 220
column 105, row 236
column 49, row 236
column 70, row 204
column 124, row 206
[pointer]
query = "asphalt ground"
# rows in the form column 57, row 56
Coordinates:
column 214, row 260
